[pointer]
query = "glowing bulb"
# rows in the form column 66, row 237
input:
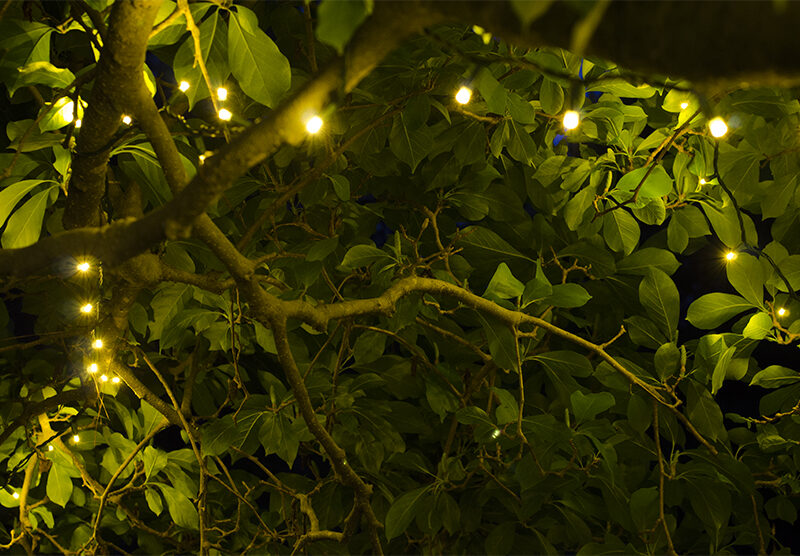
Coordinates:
column 684, row 105
column 78, row 123
column 183, row 86
column 50, row 448
column 225, row 114
column 496, row 433
column 126, row 119
column 83, row 267
column 571, row 119
column 782, row 312
column 115, row 380
column 97, row 344
column 730, row 255
column 103, row 378
column 202, row 158
column 463, row 95
column 717, row 127
column 222, row 93
column 76, row 439
column 92, row 368
column 314, row 124
column 87, row 308
column 702, row 181
column 16, row 495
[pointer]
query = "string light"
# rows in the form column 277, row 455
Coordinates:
column 83, row 266
column 50, row 448
column 97, row 344
column 730, row 255
column 92, row 368
column 314, row 124
column 782, row 312
column 183, row 86
column 76, row 439
column 78, row 123
column 225, row 114
column 126, row 119
column 87, row 308
column 496, row 433
column 571, row 119
column 684, row 105
column 718, row 127
column 222, row 93
column 115, row 380
column 702, row 181
column 463, row 95
column 103, row 378
column 16, row 495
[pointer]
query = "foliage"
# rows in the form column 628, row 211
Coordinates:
column 485, row 350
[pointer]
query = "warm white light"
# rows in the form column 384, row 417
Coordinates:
column 225, row 114
column 782, row 312
column 16, row 495
column 92, row 368
column 87, row 308
column 78, row 123
column 83, row 267
column 126, row 119
column 103, row 378
column 97, row 344
column 115, row 380
column 717, row 127
column 702, row 181
column 314, row 124
column 183, row 86
column 202, row 158
column 684, row 105
column 571, row 119
column 463, row 95
column 222, row 93
column 496, row 433
column 76, row 439
column 730, row 255
column 50, row 448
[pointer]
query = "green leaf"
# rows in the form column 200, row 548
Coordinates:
column 59, row 485
column 503, row 284
column 721, row 369
column 410, row 146
column 338, row 20
column 657, row 184
column 492, row 91
column 587, row 406
column 713, row 309
column 644, row 507
column 213, row 50
column 538, row 288
column 154, row 501
column 25, row 225
column 278, row 437
column 746, row 275
column 551, row 95
column 641, row 261
column 704, row 413
column 502, row 344
column 485, row 245
column 341, row 186
column 154, row 461
column 181, row 509
column 402, row 512
column 659, row 296
column 362, row 255
column 369, row 346
column 567, row 295
column 667, row 360
column 11, row 195
column 42, row 73
column 565, row 362
column 775, row 376
column 262, row 71
column 621, row 231
column 529, row 10
column 758, row 326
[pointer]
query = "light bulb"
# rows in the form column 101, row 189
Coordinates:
column 463, row 95
column 78, row 123
column 126, row 119
column 495, row 433
column 730, row 255
column 115, row 380
column 16, row 495
column 718, row 127
column 183, row 86
column 684, row 105
column 314, row 124
column 87, row 308
column 76, row 439
column 97, row 344
column 222, row 93
column 50, row 448
column 92, row 368
column 83, row 267
column 702, row 181
column 782, row 312
column 103, row 378
column 225, row 114
column 571, row 119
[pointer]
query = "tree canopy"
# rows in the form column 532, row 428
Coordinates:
column 398, row 277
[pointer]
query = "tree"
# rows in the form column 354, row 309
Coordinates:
column 429, row 325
